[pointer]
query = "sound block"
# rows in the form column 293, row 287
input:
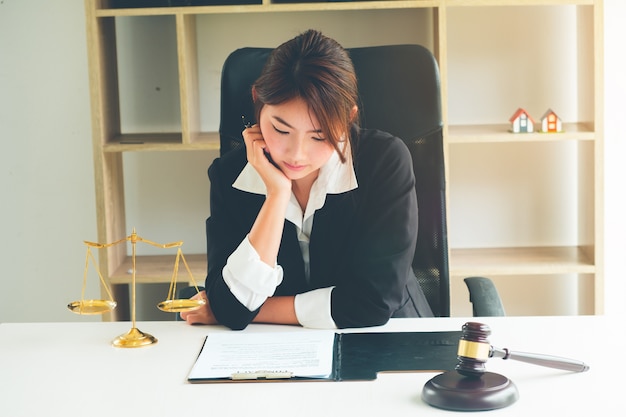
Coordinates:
column 453, row 391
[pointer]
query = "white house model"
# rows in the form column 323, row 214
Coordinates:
column 521, row 122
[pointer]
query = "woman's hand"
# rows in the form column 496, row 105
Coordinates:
column 202, row 315
column 259, row 157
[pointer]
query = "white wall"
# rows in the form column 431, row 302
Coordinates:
column 46, row 180
column 46, row 171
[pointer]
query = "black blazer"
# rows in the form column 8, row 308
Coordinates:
column 362, row 241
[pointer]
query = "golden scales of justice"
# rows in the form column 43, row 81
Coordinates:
column 134, row 337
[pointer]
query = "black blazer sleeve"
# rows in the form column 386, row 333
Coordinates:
column 374, row 281
column 232, row 214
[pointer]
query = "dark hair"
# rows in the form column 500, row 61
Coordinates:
column 317, row 69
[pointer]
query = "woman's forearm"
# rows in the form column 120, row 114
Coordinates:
column 267, row 231
column 278, row 310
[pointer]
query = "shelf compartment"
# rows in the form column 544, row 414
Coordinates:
column 159, row 269
column 520, row 261
column 518, row 194
column 408, row 26
column 148, row 75
column 520, row 56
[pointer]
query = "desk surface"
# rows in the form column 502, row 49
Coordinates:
column 50, row 368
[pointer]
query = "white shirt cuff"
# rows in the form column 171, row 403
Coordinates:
column 250, row 280
column 313, row 309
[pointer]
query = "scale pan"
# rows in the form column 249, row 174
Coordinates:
column 177, row 306
column 91, row 306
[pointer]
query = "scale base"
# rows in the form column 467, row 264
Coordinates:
column 453, row 391
column 134, row 338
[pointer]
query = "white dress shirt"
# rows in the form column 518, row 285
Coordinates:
column 252, row 281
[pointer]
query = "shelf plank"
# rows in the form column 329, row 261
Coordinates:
column 463, row 262
column 482, row 3
column 273, row 7
column 500, row 133
column 520, row 261
column 162, row 142
column 159, row 269
column 456, row 134
column 328, row 6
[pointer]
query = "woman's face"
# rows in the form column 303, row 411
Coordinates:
column 293, row 139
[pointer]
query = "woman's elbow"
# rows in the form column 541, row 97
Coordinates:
column 369, row 319
column 233, row 323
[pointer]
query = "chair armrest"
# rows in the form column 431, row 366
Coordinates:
column 484, row 297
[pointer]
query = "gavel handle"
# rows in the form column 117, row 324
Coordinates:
column 542, row 360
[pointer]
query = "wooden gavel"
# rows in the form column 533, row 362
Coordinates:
column 475, row 349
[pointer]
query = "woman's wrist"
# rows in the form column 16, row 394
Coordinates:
column 279, row 195
column 278, row 310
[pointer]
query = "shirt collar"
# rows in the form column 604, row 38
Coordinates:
column 334, row 177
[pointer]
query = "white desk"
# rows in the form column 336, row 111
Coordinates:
column 54, row 368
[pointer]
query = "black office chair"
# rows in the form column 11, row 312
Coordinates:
column 399, row 93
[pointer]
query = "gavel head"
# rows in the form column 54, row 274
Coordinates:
column 474, row 350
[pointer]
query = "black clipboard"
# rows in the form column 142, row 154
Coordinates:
column 361, row 356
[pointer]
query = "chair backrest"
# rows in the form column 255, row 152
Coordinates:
column 399, row 93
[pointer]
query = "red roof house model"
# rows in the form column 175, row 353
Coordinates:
column 521, row 122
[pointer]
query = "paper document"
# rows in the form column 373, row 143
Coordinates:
column 305, row 353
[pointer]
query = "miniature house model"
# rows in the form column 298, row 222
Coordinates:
column 550, row 122
column 521, row 122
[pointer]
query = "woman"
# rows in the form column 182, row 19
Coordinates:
column 315, row 221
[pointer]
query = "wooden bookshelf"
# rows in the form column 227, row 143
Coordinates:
column 582, row 256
